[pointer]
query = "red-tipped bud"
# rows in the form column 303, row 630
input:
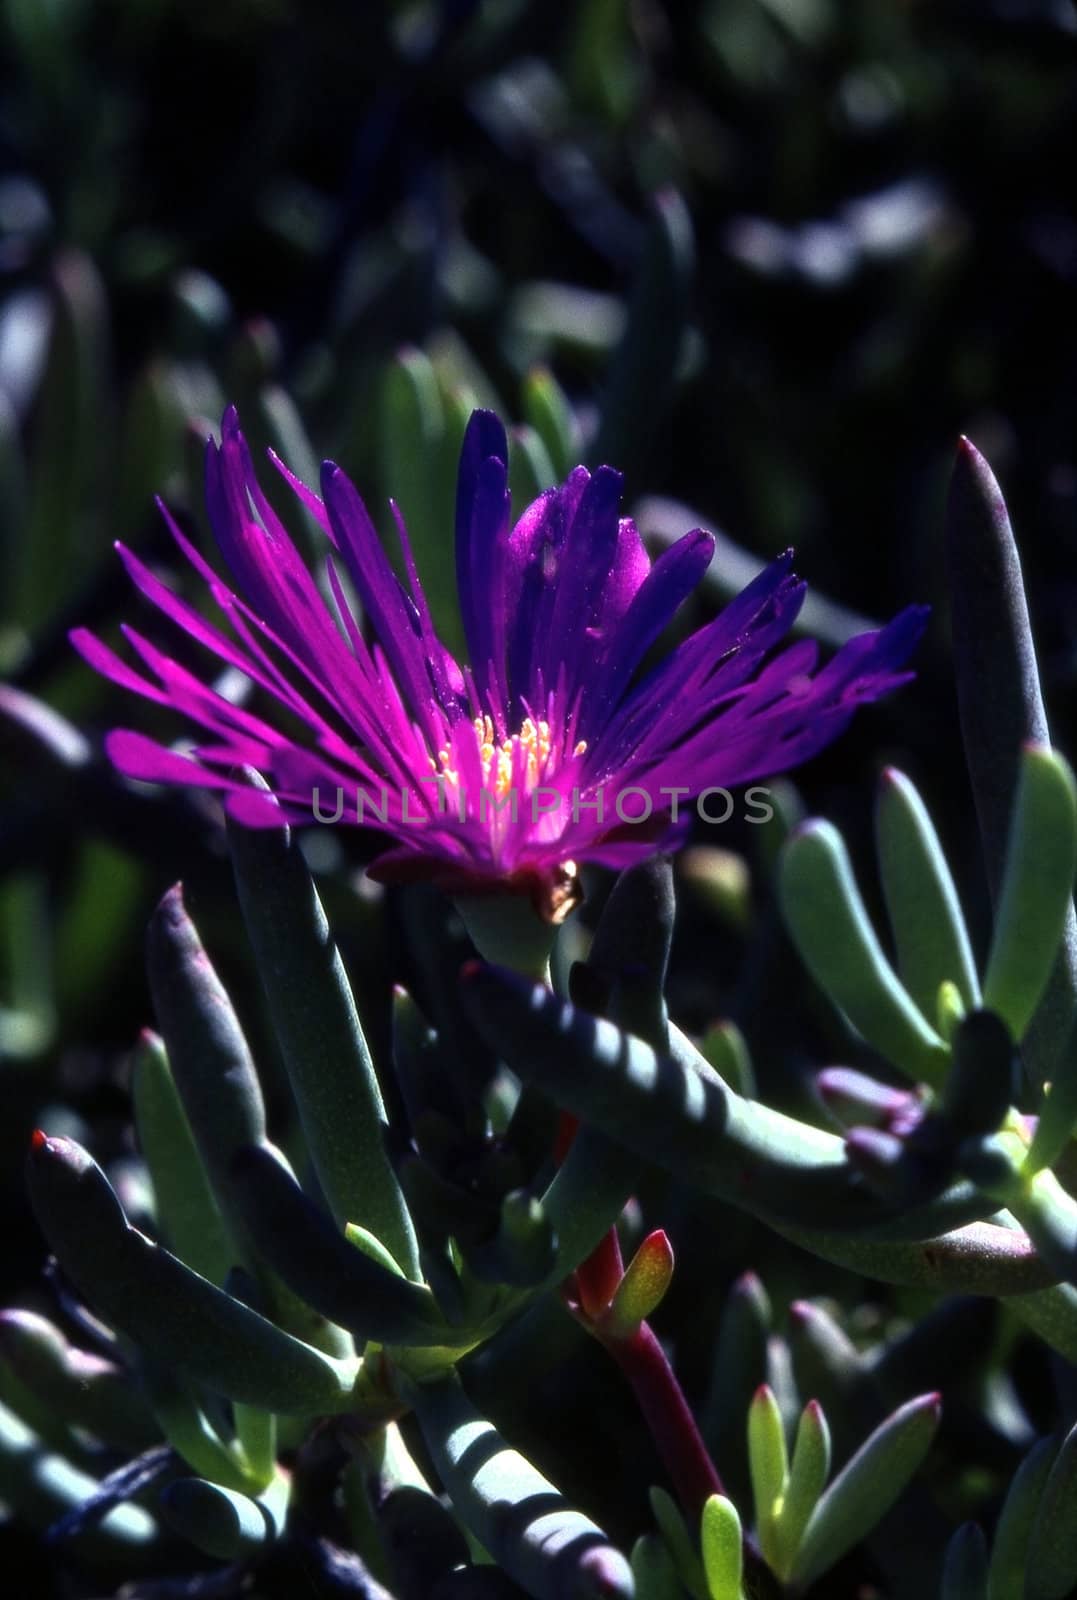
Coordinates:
column 642, row 1288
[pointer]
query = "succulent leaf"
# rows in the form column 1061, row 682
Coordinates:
column 317, row 1261
column 1052, row 1552
column 223, row 1522
column 176, row 1315
column 524, row 1522
column 867, row 1486
column 837, row 943
column 964, row 1572
column 1010, row 1549
column 1036, row 896
column 683, row 1119
column 326, row 1055
column 187, row 1210
column 1000, row 702
column 44, row 1487
column 806, row 1480
column 769, row 1466
column 925, row 913
column 721, row 1546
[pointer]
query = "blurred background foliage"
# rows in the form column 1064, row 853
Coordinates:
column 770, row 257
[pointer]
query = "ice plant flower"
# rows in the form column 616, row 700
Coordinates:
column 550, row 746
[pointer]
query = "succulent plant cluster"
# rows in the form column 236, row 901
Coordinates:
column 520, row 1279
column 277, row 1350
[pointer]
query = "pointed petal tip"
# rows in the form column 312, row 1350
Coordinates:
column 485, row 436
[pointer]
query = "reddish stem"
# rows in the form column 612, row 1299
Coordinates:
column 666, row 1412
column 597, row 1277
column 643, row 1362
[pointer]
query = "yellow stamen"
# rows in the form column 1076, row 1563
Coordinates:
column 499, row 759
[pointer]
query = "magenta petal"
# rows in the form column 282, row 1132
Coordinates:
column 138, row 757
column 559, row 613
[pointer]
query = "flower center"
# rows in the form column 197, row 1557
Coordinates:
column 500, row 761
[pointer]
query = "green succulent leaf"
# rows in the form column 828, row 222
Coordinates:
column 964, row 1571
column 540, row 1540
column 643, row 1287
column 322, row 1266
column 721, row 1545
column 1001, row 705
column 414, row 418
column 837, row 943
column 739, row 1367
column 87, row 1390
column 769, row 1466
column 679, row 1541
column 325, row 1053
column 654, row 1572
column 867, row 1487
column 208, row 1054
column 44, row 1487
column 1010, row 1549
column 187, row 1210
column 683, row 1117
column 58, row 538
column 805, row 1483
column 1037, row 888
column 178, row 1317
column 639, row 383
column 547, row 409
column 1052, row 1552
column 225, row 1523
column 530, row 469
column 929, row 930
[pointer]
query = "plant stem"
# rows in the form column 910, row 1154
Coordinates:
column 661, row 1400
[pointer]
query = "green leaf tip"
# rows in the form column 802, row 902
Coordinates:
column 1037, row 888
column 867, row 1487
column 832, row 931
column 720, row 1541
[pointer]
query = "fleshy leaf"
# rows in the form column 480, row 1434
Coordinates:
column 808, row 1472
column 1036, row 896
column 1010, row 1549
column 925, row 914
column 226, row 1523
column 838, row 945
column 321, row 1039
column 186, row 1208
column 720, row 1542
column 1000, row 701
column 1052, row 1552
column 549, row 1548
column 769, row 1466
column 179, row 1317
column 323, row 1267
column 867, row 1487
column 964, row 1571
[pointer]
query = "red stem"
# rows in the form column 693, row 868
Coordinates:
column 597, row 1277
column 643, row 1362
column 666, row 1412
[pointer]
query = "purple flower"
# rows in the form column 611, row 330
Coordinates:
column 551, row 746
